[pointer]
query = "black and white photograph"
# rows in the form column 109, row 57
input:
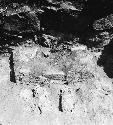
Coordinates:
column 56, row 62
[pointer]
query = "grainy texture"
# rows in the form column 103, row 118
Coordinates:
column 60, row 62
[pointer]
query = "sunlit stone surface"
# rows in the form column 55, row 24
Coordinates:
column 42, row 97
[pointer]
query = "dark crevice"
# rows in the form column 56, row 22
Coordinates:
column 60, row 102
column 12, row 72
